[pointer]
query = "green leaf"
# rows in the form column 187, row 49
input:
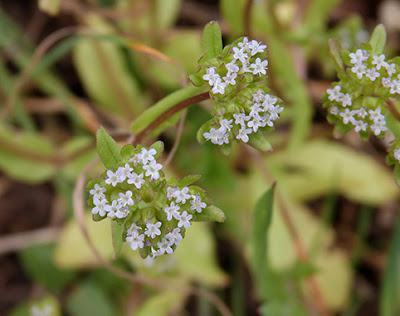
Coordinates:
column 108, row 149
column 188, row 180
column 159, row 147
column 389, row 301
column 259, row 142
column 117, row 231
column 262, row 216
column 89, row 299
column 378, row 39
column 335, row 49
column 212, row 40
column 211, row 214
column 38, row 263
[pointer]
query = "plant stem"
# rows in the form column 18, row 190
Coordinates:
column 393, row 109
column 164, row 109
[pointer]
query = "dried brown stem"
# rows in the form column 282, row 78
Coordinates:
column 317, row 298
column 19, row 241
column 167, row 114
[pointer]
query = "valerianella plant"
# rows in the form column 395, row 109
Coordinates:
column 244, row 108
column 364, row 99
column 153, row 212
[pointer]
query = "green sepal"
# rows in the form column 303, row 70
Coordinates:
column 98, row 218
column 144, row 252
column 226, row 148
column 212, row 40
column 159, row 147
column 259, row 142
column 378, row 39
column 211, row 214
column 117, row 231
column 335, row 49
column 127, row 151
column 108, row 149
column 188, row 180
column 204, row 128
column 197, row 79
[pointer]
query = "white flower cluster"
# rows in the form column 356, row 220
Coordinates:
column 161, row 221
column 140, row 168
column 244, row 61
column 371, row 71
column 361, row 118
column 263, row 111
column 178, row 216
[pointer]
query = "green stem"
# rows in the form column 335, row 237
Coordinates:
column 165, row 108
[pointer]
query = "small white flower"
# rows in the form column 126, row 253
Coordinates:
column 211, row 76
column 259, row 67
column 243, row 134
column 226, row 124
column 174, row 236
column 136, row 180
column 182, row 195
column 240, row 118
column 152, row 170
column 101, row 207
column 245, row 43
column 124, row 172
column 152, row 230
column 375, row 115
column 122, row 212
column 134, row 160
column 346, row 99
column 215, row 135
column 126, row 199
column 230, row 78
column 274, row 111
column 334, row 110
column 197, row 204
column 240, row 54
column 396, row 154
column 359, row 70
column 133, row 229
column 347, row 116
column 390, row 68
column 255, row 109
column 360, row 126
column 269, row 101
column 379, row 61
column 335, row 94
column 395, row 88
column 97, row 190
column 113, row 209
column 255, row 123
column 219, row 87
column 135, row 240
column 184, row 220
column 146, row 156
column 112, row 178
column 258, row 96
column 171, row 193
column 387, row 83
column 232, row 67
column 256, row 47
column 372, row 74
column 359, row 56
column 379, row 127
column 164, row 247
column 171, row 211
column 361, row 112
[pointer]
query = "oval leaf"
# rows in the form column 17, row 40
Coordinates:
column 108, row 149
column 212, row 40
column 117, row 231
column 211, row 214
column 378, row 39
